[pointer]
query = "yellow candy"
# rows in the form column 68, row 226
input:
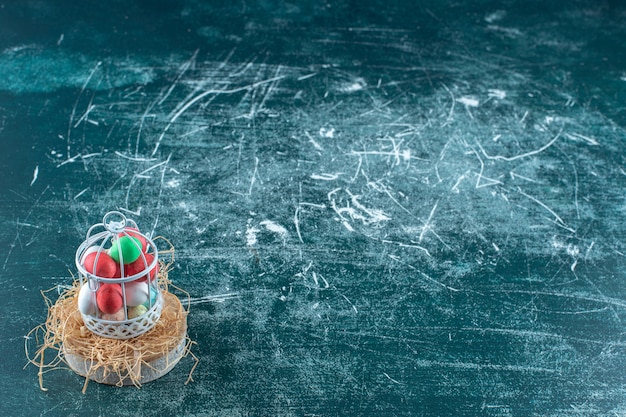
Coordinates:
column 136, row 311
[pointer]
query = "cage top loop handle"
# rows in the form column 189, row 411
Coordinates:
column 114, row 222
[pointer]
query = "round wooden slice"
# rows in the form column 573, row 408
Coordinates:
column 141, row 365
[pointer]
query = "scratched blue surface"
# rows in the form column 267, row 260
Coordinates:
column 394, row 209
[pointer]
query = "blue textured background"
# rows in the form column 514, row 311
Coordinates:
column 378, row 208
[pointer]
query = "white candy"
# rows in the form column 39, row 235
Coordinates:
column 136, row 293
column 86, row 300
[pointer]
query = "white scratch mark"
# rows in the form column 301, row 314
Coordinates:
column 325, row 177
column 558, row 219
column 154, row 167
column 200, row 129
column 495, row 16
column 296, row 222
column 182, row 71
column 200, row 96
column 35, row 175
column 514, row 175
column 319, row 206
column 523, row 119
column 81, row 193
column 19, row 229
column 313, row 142
column 488, row 181
column 391, row 379
column 253, row 179
column 375, row 215
column 425, row 275
column 71, row 121
column 347, row 225
column 427, row 227
column 173, row 183
column 495, row 93
column 512, row 32
column 455, row 187
column 69, row 160
column 577, row 136
column 218, row 298
column 406, row 245
column 314, row 276
column 134, row 159
column 304, row 77
column 251, row 233
column 350, row 302
column 90, row 155
column 468, row 101
column 451, row 112
column 85, row 116
column 437, row 282
column 400, row 155
column 386, row 191
column 327, row 133
column 520, row 156
column 358, row 212
column 358, row 169
column 158, row 205
column 135, row 213
column 357, row 85
column 275, row 228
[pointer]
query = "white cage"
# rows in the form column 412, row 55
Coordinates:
column 118, row 266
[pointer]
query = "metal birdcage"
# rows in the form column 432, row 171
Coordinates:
column 118, row 266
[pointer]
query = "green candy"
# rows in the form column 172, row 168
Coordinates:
column 129, row 247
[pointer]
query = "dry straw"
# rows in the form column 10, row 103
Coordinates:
column 114, row 361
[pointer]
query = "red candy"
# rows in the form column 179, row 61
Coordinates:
column 109, row 298
column 136, row 267
column 155, row 270
column 139, row 265
column 104, row 267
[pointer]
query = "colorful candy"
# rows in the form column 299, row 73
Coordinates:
column 109, row 298
column 128, row 256
column 116, row 316
column 96, row 261
column 136, row 311
column 126, row 249
column 153, row 298
column 134, row 232
column 139, row 265
column 154, row 271
column 136, row 293
column 86, row 300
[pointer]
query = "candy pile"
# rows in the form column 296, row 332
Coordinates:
column 129, row 260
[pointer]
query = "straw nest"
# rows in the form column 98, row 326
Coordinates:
column 111, row 361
